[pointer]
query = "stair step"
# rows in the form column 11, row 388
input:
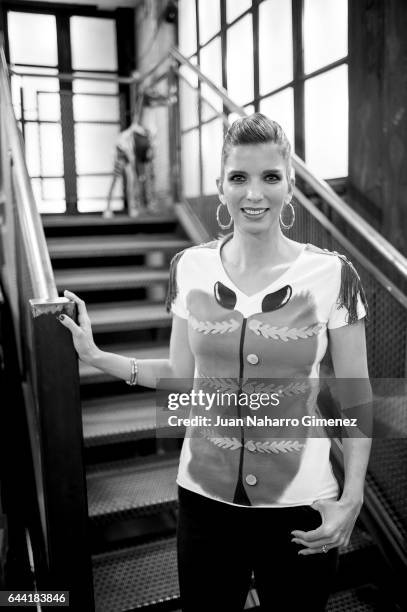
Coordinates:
column 91, row 375
column 137, row 578
column 360, row 540
column 117, row 419
column 114, row 277
column 108, row 246
column 97, row 220
column 109, row 420
column 131, row 488
column 144, row 576
column 127, row 316
column 362, row 599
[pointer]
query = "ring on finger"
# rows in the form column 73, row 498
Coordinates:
column 324, row 548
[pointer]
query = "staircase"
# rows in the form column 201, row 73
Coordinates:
column 120, row 268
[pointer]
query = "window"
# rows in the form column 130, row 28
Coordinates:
column 211, row 66
column 209, row 19
column 234, row 8
column 280, row 108
column 275, row 45
column 325, row 32
column 190, row 163
column 286, row 59
column 240, row 61
column 69, row 127
column 93, row 42
column 187, row 35
column 212, row 137
column 33, row 39
column 326, row 123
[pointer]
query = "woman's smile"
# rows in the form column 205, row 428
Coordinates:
column 254, row 213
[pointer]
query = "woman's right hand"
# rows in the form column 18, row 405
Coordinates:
column 82, row 335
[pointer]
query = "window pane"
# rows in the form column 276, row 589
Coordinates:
column 43, row 147
column 51, row 163
column 98, row 205
column 190, row 164
column 95, row 148
column 31, row 86
column 326, row 123
column 209, row 19
column 234, row 8
column 53, row 189
column 187, row 27
column 32, row 149
column 211, row 66
column 275, row 45
column 96, row 108
column 93, row 43
column 90, row 187
column 93, row 191
column 49, row 106
column 49, row 198
column 240, row 61
column 280, row 108
column 325, row 32
column 188, row 106
column 32, row 39
column 212, row 139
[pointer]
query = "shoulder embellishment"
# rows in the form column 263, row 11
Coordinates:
column 351, row 286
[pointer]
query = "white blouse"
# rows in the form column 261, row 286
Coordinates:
column 273, row 340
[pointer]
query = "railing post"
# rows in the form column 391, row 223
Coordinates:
column 174, row 134
column 60, row 437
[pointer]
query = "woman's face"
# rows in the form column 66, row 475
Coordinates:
column 255, row 186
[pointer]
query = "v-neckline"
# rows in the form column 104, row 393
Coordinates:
column 228, row 279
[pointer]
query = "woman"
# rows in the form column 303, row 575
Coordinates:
column 257, row 306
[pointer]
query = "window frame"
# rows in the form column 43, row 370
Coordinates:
column 63, row 13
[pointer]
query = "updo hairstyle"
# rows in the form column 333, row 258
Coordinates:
column 256, row 129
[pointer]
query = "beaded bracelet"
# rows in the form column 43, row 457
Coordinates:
column 134, row 372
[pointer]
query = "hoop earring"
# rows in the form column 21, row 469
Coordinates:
column 284, row 225
column 221, row 225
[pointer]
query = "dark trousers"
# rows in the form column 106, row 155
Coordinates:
column 219, row 546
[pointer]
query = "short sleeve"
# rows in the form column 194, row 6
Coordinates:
column 178, row 307
column 175, row 302
column 350, row 304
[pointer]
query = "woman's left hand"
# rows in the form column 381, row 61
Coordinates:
column 338, row 520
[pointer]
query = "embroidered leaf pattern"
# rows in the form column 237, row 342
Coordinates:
column 294, row 388
column 227, row 443
column 275, row 446
column 220, row 384
column 284, row 333
column 252, row 386
column 267, row 446
column 214, row 327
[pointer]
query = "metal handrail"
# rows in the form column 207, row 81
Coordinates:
column 38, row 260
column 352, row 250
column 68, row 76
column 322, row 188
